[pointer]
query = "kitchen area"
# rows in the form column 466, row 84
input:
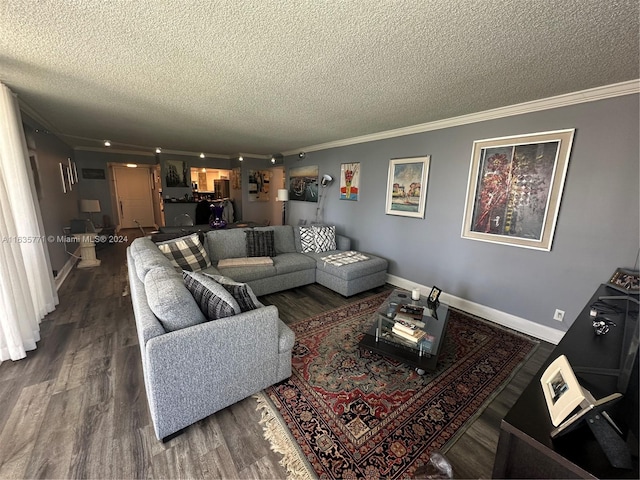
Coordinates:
column 210, row 185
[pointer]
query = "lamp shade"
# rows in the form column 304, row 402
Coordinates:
column 283, row 195
column 89, row 206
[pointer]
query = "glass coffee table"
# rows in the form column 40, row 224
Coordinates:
column 422, row 355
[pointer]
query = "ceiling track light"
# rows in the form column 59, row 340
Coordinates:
column 158, row 150
column 107, row 143
column 240, row 158
column 202, row 155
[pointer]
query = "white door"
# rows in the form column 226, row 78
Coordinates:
column 133, row 191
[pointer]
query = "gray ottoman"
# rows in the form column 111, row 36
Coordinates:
column 353, row 278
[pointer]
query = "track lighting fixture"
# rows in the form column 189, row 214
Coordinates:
column 301, row 155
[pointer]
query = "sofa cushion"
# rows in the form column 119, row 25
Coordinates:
column 293, row 262
column 260, row 243
column 325, row 238
column 351, row 271
column 226, row 244
column 241, row 292
column 307, row 239
column 250, row 273
column 283, row 238
column 169, row 299
column 213, row 299
column 186, row 253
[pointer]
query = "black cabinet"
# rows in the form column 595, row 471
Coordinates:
column 525, row 448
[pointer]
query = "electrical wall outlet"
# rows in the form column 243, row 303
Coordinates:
column 559, row 315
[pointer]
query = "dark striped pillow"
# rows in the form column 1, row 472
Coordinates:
column 241, row 292
column 212, row 298
column 260, row 243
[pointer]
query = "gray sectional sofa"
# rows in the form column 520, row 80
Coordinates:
column 193, row 367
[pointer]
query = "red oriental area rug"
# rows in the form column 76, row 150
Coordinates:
column 356, row 414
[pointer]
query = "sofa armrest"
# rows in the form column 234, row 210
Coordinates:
column 343, row 243
column 198, row 370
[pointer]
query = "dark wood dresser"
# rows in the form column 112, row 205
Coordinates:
column 525, row 448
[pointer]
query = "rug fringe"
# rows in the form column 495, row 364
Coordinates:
column 277, row 434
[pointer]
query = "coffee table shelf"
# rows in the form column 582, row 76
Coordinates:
column 380, row 339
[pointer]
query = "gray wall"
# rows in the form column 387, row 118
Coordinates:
column 57, row 207
column 597, row 229
column 261, row 211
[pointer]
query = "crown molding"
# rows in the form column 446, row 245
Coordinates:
column 584, row 96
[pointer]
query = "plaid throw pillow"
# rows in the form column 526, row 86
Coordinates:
column 325, row 238
column 307, row 239
column 241, row 292
column 212, row 298
column 186, row 253
column 260, row 243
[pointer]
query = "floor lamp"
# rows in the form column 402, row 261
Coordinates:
column 283, row 196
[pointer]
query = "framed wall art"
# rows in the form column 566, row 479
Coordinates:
column 93, row 173
column 350, row 181
column 407, row 186
column 176, row 173
column 514, row 188
column 259, row 185
column 303, row 183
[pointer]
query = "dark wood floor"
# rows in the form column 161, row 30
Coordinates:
column 76, row 406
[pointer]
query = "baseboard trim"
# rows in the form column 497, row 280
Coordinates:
column 66, row 269
column 519, row 324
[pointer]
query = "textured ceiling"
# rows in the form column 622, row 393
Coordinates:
column 268, row 76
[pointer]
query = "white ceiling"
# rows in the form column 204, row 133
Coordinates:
column 266, row 76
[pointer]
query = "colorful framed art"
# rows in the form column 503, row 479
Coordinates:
column 350, row 181
column 514, row 188
column 407, row 186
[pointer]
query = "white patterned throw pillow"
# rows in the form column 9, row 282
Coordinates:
column 325, row 238
column 307, row 239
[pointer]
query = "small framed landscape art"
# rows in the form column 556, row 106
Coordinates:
column 514, row 188
column 407, row 186
column 350, row 181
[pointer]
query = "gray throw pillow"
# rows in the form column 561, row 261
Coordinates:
column 213, row 299
column 170, row 301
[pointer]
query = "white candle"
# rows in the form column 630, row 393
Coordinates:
column 415, row 294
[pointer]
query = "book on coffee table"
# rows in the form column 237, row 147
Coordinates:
column 414, row 337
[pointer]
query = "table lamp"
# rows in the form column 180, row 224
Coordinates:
column 90, row 207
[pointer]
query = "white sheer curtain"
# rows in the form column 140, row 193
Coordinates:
column 27, row 287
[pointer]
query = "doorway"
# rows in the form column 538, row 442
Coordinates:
column 133, row 194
